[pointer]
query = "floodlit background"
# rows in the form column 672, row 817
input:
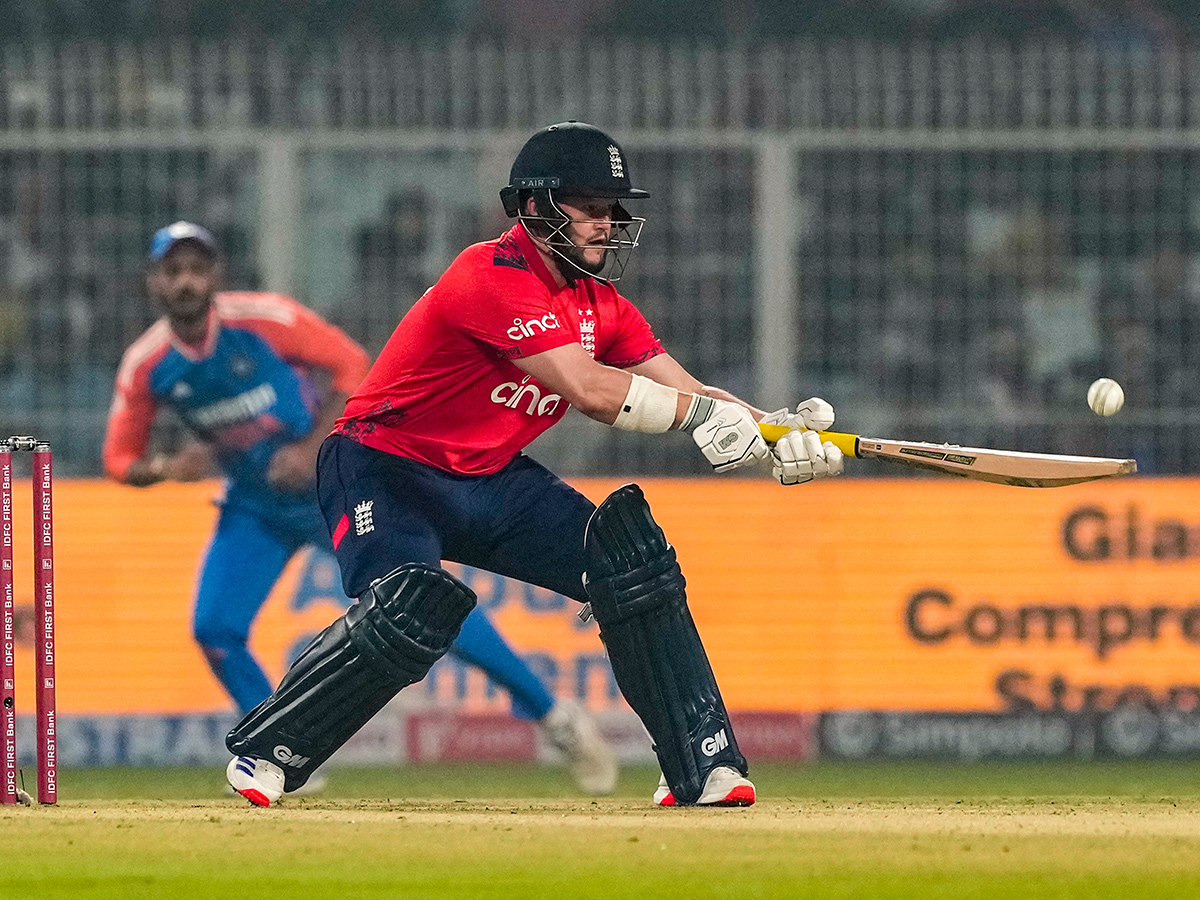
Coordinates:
column 945, row 216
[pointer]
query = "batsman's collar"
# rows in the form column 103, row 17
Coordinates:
column 165, row 239
column 536, row 264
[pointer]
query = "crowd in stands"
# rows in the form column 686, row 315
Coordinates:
column 1122, row 22
column 1004, row 303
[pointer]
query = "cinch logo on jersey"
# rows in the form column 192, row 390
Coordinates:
column 530, row 327
column 511, row 394
column 713, row 745
column 287, row 757
column 235, row 409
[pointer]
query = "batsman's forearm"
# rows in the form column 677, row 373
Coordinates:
column 718, row 394
column 665, row 369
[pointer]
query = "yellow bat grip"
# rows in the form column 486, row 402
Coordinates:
column 772, row 433
column 847, row 443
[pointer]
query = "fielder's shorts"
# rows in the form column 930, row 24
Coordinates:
column 384, row 510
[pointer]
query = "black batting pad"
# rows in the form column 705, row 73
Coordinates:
column 638, row 597
column 389, row 639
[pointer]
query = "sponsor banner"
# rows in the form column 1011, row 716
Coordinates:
column 398, row 736
column 1127, row 732
column 943, row 595
column 908, row 596
column 462, row 737
column 129, row 740
column 964, row 736
column 775, row 737
column 126, row 570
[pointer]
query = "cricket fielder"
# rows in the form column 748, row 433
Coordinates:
column 260, row 380
column 426, row 464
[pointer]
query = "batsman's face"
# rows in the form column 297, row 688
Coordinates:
column 590, row 231
column 184, row 282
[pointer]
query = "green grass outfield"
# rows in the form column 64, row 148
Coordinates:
column 927, row 830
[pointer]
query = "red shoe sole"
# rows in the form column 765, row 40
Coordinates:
column 739, row 796
column 258, row 798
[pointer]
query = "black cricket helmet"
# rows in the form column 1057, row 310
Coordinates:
column 573, row 160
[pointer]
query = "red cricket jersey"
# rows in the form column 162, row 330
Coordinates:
column 445, row 392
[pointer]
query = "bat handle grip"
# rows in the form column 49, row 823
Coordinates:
column 847, row 443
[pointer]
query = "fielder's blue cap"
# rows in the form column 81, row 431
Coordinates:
column 165, row 239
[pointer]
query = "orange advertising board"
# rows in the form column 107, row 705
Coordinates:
column 922, row 594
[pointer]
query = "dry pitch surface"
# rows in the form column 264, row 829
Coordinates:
column 911, row 831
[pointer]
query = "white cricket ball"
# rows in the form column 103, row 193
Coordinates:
column 1105, row 397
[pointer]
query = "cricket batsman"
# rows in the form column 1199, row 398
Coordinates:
column 260, row 380
column 427, row 464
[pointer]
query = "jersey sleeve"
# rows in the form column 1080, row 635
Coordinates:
column 630, row 341
column 302, row 337
column 511, row 311
column 130, row 418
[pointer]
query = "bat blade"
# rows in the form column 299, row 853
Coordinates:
column 998, row 466
column 1012, row 467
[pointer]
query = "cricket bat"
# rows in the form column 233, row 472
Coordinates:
column 977, row 463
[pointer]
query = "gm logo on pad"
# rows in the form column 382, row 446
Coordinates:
column 711, row 746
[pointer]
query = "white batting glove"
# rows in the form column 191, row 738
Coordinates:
column 779, row 417
column 799, row 457
column 729, row 437
column 814, row 414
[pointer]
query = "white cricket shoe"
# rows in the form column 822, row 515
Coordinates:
column 589, row 758
column 725, row 786
column 316, row 784
column 257, row 780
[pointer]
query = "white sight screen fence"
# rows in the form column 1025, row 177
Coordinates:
column 946, row 243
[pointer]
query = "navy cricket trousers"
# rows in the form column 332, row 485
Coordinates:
column 384, row 510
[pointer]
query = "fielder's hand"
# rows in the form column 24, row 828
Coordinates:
column 799, row 457
column 729, row 438
column 192, row 463
column 813, row 414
